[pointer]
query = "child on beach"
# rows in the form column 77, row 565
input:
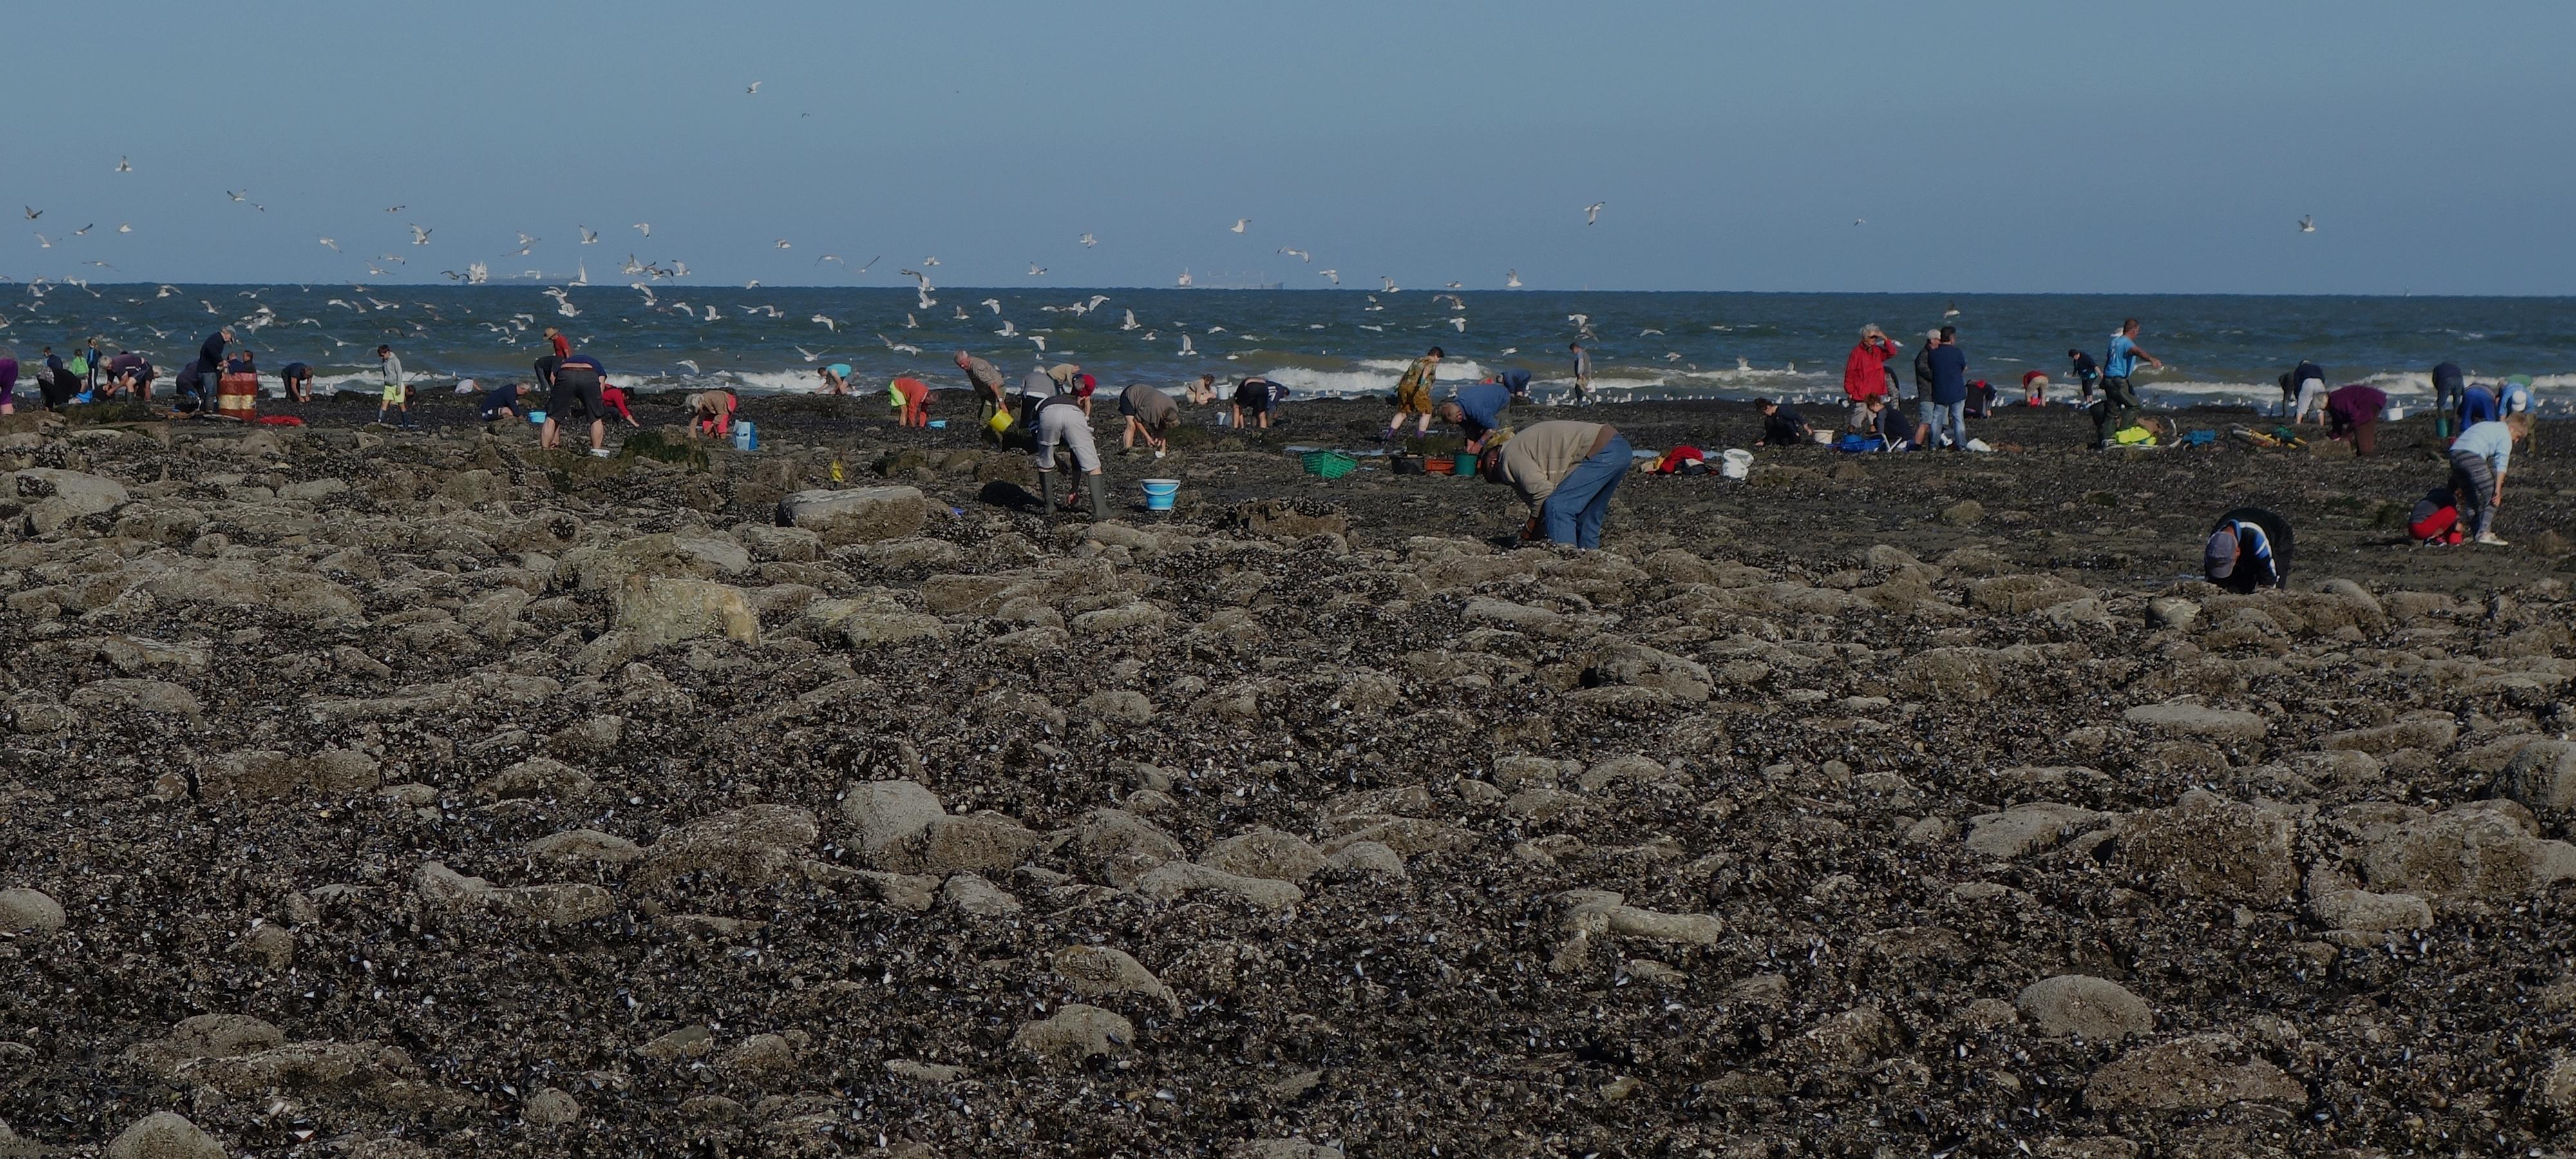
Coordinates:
column 2435, row 522
column 1413, row 394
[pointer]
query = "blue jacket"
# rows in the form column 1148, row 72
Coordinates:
column 1949, row 375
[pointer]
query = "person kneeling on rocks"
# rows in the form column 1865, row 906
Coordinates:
column 2435, row 522
column 710, row 412
column 503, row 402
column 1061, row 421
column 1566, row 471
column 2249, row 549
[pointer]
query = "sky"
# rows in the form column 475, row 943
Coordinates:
column 1846, row 146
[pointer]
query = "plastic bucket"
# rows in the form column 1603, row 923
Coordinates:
column 536, row 416
column 1737, row 463
column 745, row 436
column 1440, row 466
column 939, row 424
column 2396, row 414
column 1466, row 464
column 1159, row 493
column 1001, row 421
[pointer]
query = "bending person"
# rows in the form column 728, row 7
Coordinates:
column 1566, row 471
column 2353, row 412
column 1149, row 412
column 1060, row 422
column 2478, row 461
column 2248, row 549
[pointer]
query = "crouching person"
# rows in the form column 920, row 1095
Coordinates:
column 1566, row 471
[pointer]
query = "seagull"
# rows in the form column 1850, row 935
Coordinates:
column 33, row 213
column 1009, row 329
column 124, row 229
column 711, row 313
column 1336, row 275
column 1130, row 324
column 1456, row 286
column 1242, row 223
column 1089, row 241
column 1512, row 279
column 830, row 258
column 1952, row 311
column 124, row 166
column 1186, row 348
column 754, row 89
column 1581, row 320
column 1656, row 333
column 1300, row 255
column 692, row 365
column 1388, row 282
column 1592, row 212
column 871, row 264
column 898, row 347
column 810, row 356
column 961, row 314
column 781, row 243
column 926, row 262
column 827, row 322
column 525, row 241
column 1036, row 270
column 1460, row 322
column 589, row 236
column 420, row 236
column 236, row 196
column 2308, row 224
column 910, row 323
column 995, row 304
column 1860, row 221
column 84, row 230
column 1040, row 339
column 43, row 242
column 646, row 226
column 396, row 208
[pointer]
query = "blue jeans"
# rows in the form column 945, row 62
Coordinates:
column 1941, row 416
column 1572, row 513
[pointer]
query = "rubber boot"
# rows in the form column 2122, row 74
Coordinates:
column 1046, row 492
column 1099, row 497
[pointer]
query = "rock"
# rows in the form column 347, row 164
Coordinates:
column 1121, row 847
column 753, row 845
column 691, row 1041
column 2172, row 612
column 981, row 841
column 550, row 1108
column 856, row 515
column 537, row 778
column 546, row 904
column 270, row 774
column 889, row 814
column 2542, row 776
column 1367, row 858
column 121, row 696
column 1967, row 675
column 1174, row 880
column 1100, row 971
column 2208, row 846
column 2554, row 1088
column 926, row 1072
column 657, row 612
column 2076, row 1005
column 2481, row 849
column 1599, row 913
column 970, row 893
column 588, row 846
column 1281, row 1149
column 2185, row 718
column 162, row 1135
column 2026, row 829
column 219, row 1036
column 1266, row 853
column 761, row 1054
column 25, row 910
column 2366, row 912
column 54, row 497
column 2196, row 1073
column 1964, row 513
column 1074, row 1033
column 474, row 488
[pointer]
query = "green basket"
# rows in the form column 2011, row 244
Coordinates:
column 1330, row 464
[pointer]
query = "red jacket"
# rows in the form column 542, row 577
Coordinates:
column 1865, row 372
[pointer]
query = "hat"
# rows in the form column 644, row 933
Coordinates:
column 2219, row 561
column 1934, row 334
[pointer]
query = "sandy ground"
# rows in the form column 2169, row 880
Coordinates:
column 390, row 794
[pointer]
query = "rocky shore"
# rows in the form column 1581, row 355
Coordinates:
column 395, row 794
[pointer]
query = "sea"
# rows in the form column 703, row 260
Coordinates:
column 673, row 335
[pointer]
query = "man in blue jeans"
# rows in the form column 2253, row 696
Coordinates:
column 1566, row 472
column 1945, row 399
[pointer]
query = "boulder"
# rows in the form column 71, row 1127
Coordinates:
column 970, row 893
column 856, row 515
column 2365, row 912
column 2481, row 849
column 1174, row 880
column 2542, row 776
column 162, row 1135
column 54, row 497
column 2208, row 846
column 1101, row 971
column 1075, row 1032
column 26, row 910
column 1266, row 853
column 2028, row 828
column 2188, row 1074
column 753, row 845
column 889, row 814
column 2080, row 1006
column 1121, row 847
column 2191, row 719
column 657, row 611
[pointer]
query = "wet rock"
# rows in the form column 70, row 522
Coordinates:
column 2481, row 849
column 1367, row 858
column 25, row 910
column 54, row 497
column 761, row 1054
column 1266, row 853
column 924, row 1072
column 2172, row 612
column 2026, row 829
column 1964, row 513
column 889, row 814
column 163, row 1135
column 971, row 894
column 658, row 612
column 542, row 904
column 856, row 515
column 1120, row 847
column 2365, row 912
column 1074, row 1033
column 753, row 845
column 2542, row 776
column 1968, row 675
column 1174, row 880
column 550, row 1108
column 2208, row 846
column 127, row 695
column 2554, row 1088
column 270, row 774
column 585, row 846
column 2196, row 1073
column 1102, row 972
column 2186, row 718
column 2094, row 1009
column 537, row 778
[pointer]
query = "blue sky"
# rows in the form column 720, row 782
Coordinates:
column 1990, row 147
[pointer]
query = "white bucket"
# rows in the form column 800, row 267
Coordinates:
column 2394, row 414
column 1737, row 463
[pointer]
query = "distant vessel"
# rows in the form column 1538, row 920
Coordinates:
column 1229, row 282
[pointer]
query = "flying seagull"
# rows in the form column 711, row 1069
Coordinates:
column 124, row 229
column 827, row 322
column 1512, row 279
column 1089, row 241
column 589, row 236
column 1300, row 255
column 124, row 166
column 1336, row 275
column 420, row 236
column 754, row 89
column 1592, row 212
column 1241, row 223
column 33, row 213
column 1035, row 269
column 236, row 196
column 2308, row 224
column 646, row 226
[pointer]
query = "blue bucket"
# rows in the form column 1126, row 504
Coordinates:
column 1159, row 493
column 537, row 416
column 746, row 437
column 939, row 424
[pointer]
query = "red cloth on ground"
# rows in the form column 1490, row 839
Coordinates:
column 1673, row 459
